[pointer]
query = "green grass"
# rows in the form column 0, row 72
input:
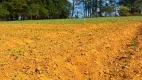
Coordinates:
column 76, row 21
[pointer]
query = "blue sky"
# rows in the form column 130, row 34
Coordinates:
column 117, row 0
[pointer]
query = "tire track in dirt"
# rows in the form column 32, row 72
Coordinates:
column 127, row 66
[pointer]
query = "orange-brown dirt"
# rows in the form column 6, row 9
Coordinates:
column 101, row 51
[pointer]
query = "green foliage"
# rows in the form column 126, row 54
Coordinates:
column 3, row 11
column 51, row 8
column 43, row 12
column 33, row 9
column 124, row 11
column 108, row 9
column 16, row 52
column 133, row 5
column 58, row 8
column 133, row 43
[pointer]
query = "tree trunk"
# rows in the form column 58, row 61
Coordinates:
column 72, row 8
column 141, row 9
column 100, row 13
column 36, row 17
column 96, row 8
column 93, row 7
column 31, row 17
column 84, row 8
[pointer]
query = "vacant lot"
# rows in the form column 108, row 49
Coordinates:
column 77, row 50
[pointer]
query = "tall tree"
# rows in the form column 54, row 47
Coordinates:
column 3, row 12
column 132, row 4
column 33, row 10
column 100, row 6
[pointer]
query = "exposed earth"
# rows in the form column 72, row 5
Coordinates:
column 101, row 51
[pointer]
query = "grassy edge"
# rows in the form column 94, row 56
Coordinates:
column 75, row 21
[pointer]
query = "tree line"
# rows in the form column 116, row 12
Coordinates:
column 96, row 8
column 33, row 9
column 57, row 9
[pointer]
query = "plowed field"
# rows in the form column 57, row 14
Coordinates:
column 89, row 51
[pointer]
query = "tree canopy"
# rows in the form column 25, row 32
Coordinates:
column 33, row 9
column 134, row 6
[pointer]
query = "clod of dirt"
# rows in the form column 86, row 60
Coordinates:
column 38, row 69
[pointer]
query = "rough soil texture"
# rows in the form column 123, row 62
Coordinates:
column 103, row 51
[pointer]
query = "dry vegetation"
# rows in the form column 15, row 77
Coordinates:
column 90, row 51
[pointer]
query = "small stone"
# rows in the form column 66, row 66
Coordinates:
column 138, row 75
column 39, row 68
column 25, row 54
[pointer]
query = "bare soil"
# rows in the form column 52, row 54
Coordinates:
column 102, row 51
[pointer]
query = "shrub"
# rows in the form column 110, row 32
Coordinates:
column 136, row 14
column 124, row 11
